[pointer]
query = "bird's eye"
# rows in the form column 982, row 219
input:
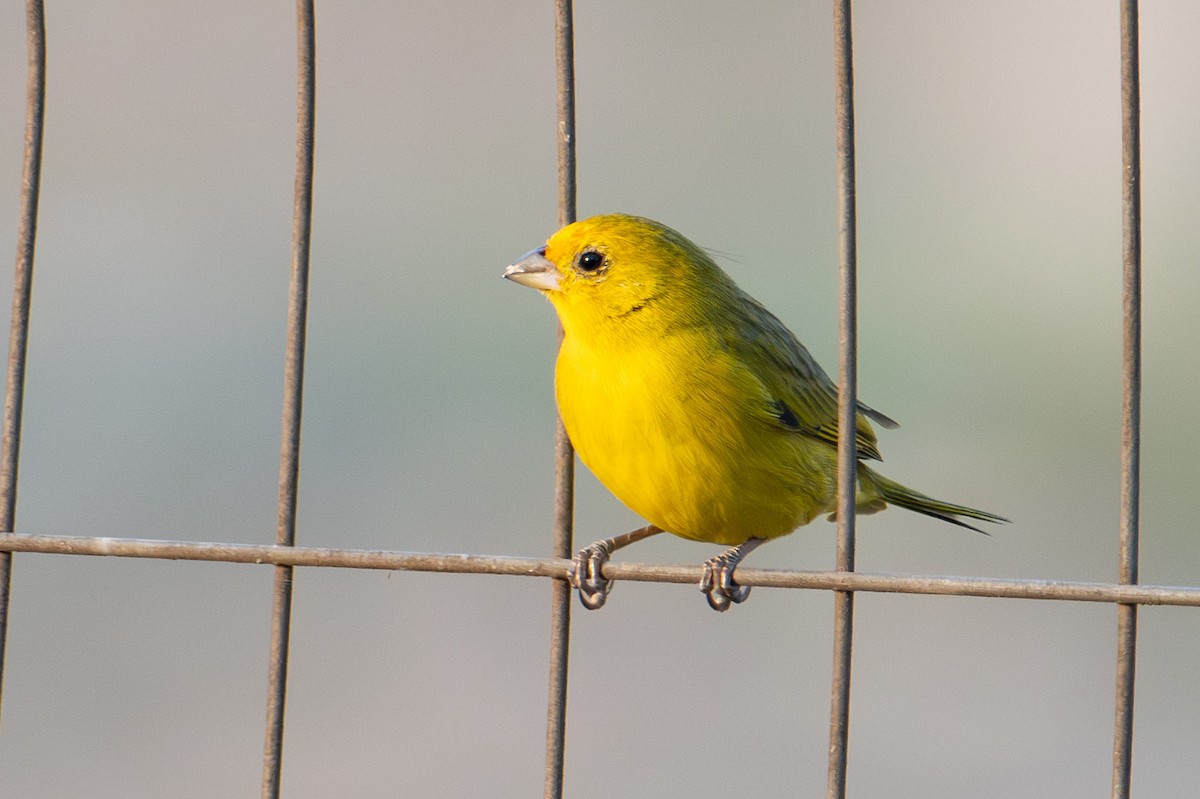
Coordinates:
column 590, row 260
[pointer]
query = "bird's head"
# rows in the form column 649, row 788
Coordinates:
column 620, row 274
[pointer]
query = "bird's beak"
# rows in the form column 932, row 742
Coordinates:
column 534, row 270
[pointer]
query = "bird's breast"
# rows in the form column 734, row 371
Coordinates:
column 679, row 432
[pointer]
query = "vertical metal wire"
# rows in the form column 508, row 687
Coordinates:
column 18, row 337
column 1131, row 405
column 564, row 453
column 843, row 619
column 293, row 379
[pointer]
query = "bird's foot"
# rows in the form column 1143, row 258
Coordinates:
column 587, row 574
column 717, row 581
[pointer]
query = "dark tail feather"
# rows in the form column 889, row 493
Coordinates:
column 875, row 487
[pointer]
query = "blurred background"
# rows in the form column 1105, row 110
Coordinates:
column 990, row 257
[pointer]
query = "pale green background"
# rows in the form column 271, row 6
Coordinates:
column 990, row 252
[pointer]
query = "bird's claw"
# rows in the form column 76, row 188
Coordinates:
column 587, row 574
column 717, row 582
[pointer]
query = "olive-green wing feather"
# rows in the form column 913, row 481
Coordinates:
column 806, row 398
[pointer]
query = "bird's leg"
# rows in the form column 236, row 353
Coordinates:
column 587, row 567
column 717, row 580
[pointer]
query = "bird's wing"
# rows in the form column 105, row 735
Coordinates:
column 806, row 400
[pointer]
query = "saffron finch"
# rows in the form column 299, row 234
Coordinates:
column 692, row 403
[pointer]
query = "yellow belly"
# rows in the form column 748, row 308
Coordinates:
column 697, row 453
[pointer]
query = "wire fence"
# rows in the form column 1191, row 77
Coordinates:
column 284, row 556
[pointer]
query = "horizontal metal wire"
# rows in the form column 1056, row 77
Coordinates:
column 637, row 572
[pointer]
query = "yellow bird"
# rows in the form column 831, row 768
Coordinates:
column 691, row 402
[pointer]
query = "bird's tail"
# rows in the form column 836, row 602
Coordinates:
column 875, row 491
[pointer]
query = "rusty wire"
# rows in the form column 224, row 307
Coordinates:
column 18, row 337
column 293, row 392
column 564, row 453
column 391, row 560
column 847, row 468
column 1131, row 403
